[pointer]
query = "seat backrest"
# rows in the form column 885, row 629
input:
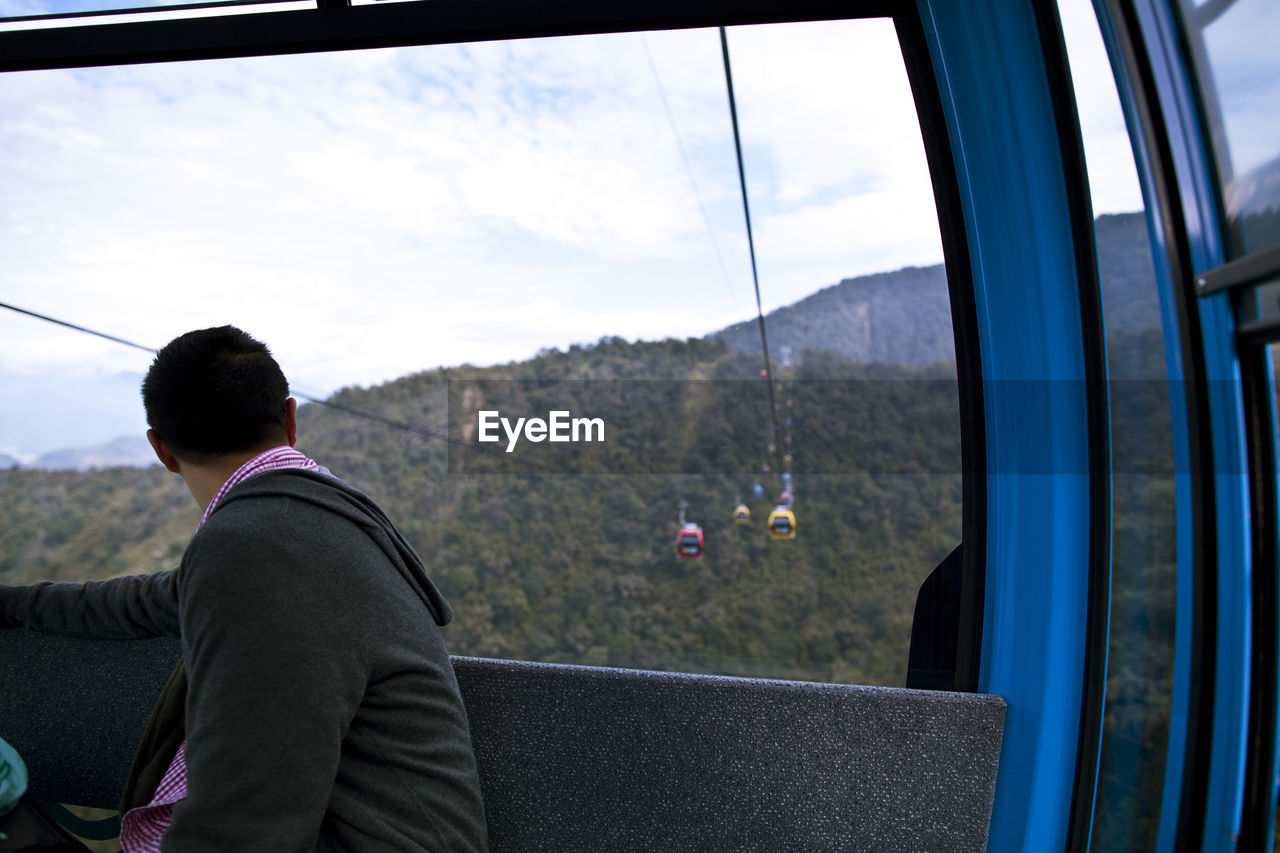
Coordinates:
column 75, row 709
column 583, row 758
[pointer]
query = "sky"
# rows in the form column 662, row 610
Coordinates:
column 371, row 214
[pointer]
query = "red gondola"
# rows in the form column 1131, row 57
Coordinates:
column 689, row 542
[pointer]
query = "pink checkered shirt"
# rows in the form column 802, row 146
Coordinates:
column 142, row 828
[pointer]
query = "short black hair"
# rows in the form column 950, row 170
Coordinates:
column 215, row 391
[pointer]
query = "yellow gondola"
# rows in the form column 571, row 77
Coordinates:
column 782, row 523
column 742, row 514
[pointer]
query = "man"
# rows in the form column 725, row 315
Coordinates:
column 315, row 706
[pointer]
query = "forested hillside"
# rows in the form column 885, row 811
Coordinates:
column 566, row 552
column 67, row 525
column 582, row 567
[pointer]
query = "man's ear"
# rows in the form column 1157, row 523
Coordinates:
column 291, row 421
column 163, row 453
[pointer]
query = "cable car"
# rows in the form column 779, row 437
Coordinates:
column 742, row 514
column 689, row 542
column 786, row 499
column 1038, row 560
column 757, row 491
column 782, row 523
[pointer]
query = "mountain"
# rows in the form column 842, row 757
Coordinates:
column 7, row 461
column 131, row 451
column 900, row 316
column 904, row 316
column 91, row 406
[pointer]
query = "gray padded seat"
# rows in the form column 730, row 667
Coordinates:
column 581, row 758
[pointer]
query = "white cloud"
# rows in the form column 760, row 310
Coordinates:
column 374, row 213
column 1113, row 177
column 851, row 75
column 1241, row 48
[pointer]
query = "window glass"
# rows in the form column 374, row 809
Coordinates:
column 35, row 15
column 425, row 235
column 1143, row 560
column 1238, row 69
column 1271, row 353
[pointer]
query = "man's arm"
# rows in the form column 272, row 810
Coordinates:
column 275, row 676
column 129, row 607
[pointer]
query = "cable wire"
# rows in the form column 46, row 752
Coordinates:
column 751, row 245
column 415, row 429
column 688, row 166
column 56, row 321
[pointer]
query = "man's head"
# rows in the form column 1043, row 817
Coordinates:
column 215, row 392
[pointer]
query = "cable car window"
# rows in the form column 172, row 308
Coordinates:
column 410, row 228
column 1238, row 71
column 1135, row 728
column 1271, row 358
column 17, row 15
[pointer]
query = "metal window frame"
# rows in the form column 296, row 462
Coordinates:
column 1243, row 272
column 400, row 24
column 1126, row 27
column 336, row 27
column 1263, row 756
column 1098, row 614
column 1205, row 791
column 425, row 22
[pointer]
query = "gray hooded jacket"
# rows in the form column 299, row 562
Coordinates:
column 322, row 711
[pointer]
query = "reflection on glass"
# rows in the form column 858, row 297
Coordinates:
column 404, row 224
column 1272, row 356
column 40, row 8
column 1238, row 68
column 1273, row 359
column 1140, row 661
column 1143, row 559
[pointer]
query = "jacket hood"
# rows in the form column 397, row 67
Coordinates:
column 327, row 491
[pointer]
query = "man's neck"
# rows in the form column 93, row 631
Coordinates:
column 205, row 480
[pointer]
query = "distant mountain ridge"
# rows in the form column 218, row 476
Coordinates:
column 131, row 451
column 904, row 316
